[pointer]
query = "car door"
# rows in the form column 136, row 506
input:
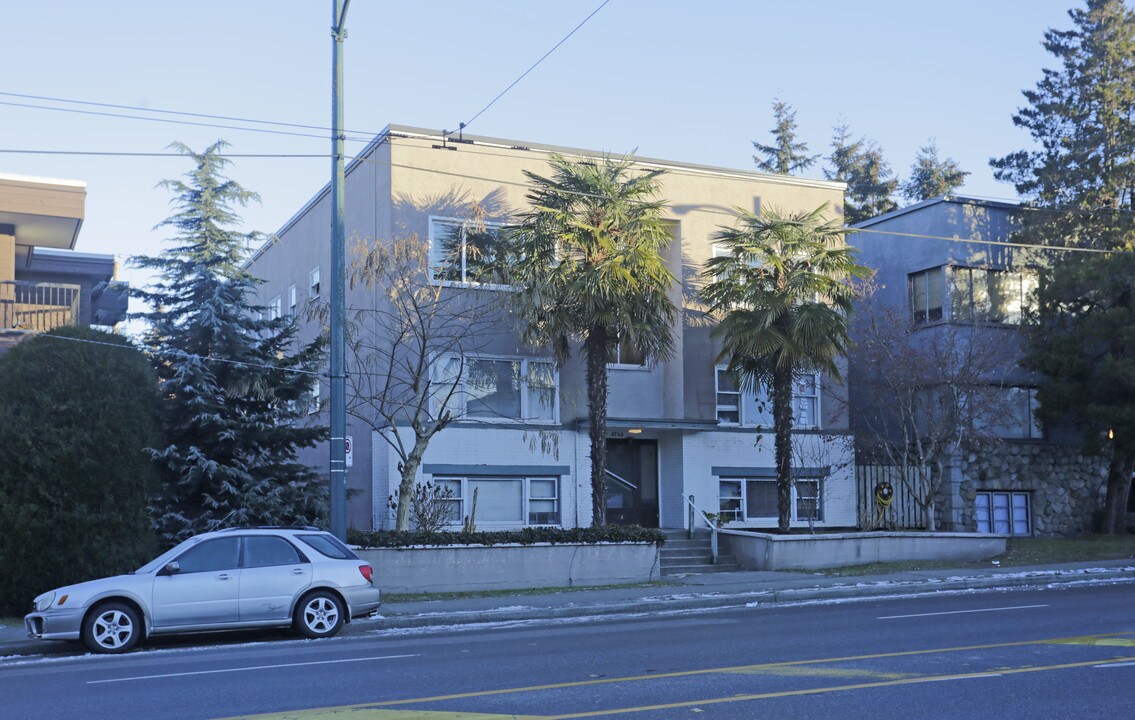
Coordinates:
column 203, row 590
column 273, row 572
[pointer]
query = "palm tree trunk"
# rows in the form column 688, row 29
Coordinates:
column 595, row 348
column 782, row 427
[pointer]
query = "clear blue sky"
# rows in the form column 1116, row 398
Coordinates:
column 686, row 81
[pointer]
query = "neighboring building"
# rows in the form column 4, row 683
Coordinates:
column 1035, row 480
column 676, row 429
column 43, row 283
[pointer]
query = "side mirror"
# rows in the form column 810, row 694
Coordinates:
column 172, row 568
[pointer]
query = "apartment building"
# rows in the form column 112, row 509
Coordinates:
column 680, row 432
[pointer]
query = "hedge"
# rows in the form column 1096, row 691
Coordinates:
column 525, row 536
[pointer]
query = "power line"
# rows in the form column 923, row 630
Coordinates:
column 177, row 122
column 534, row 65
column 98, row 153
column 194, row 356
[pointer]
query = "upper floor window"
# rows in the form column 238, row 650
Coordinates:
column 293, row 301
column 1020, row 415
column 625, row 353
column 739, row 407
column 463, row 251
column 964, row 294
column 499, row 389
column 313, row 282
column 274, row 308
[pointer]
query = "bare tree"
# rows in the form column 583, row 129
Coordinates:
column 924, row 394
column 407, row 349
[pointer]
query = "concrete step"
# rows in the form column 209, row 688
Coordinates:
column 722, row 566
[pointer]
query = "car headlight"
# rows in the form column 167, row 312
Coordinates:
column 43, row 602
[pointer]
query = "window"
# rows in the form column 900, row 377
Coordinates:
column 927, row 290
column 625, row 353
column 971, row 294
column 292, row 301
column 465, row 252
column 328, row 546
column 990, row 296
column 750, row 499
column 1003, row 513
column 211, row 556
column 274, row 308
column 313, row 401
column 266, row 551
column 313, row 283
column 739, row 407
column 505, row 500
column 498, row 389
column 1020, row 418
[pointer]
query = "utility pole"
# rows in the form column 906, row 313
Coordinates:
column 338, row 280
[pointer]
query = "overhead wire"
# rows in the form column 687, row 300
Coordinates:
column 534, row 65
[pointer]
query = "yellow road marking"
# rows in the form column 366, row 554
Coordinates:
column 756, row 668
column 1090, row 640
column 818, row 691
column 382, row 714
column 798, row 671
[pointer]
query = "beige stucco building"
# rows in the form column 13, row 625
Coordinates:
column 677, row 429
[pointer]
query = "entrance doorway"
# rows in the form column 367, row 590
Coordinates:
column 632, row 482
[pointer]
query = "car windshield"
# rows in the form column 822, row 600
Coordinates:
column 329, row 546
column 165, row 557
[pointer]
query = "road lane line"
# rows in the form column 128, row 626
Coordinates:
column 245, row 669
column 960, row 612
column 690, row 673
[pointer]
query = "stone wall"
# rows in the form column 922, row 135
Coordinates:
column 1066, row 487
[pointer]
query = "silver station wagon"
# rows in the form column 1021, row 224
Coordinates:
column 229, row 579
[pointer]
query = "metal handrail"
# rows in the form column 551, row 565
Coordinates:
column 693, row 508
column 38, row 307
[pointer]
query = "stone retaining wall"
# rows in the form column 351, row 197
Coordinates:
column 1066, row 487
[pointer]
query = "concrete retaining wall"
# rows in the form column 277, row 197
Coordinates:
column 762, row 551
column 463, row 568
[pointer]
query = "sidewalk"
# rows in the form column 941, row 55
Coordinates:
column 681, row 592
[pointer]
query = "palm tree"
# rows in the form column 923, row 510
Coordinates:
column 783, row 294
column 587, row 265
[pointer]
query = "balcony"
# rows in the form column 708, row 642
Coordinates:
column 37, row 307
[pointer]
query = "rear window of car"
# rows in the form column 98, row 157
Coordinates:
column 329, row 546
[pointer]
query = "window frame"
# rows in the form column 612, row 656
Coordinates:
column 461, row 224
column 313, row 288
column 463, row 497
column 989, row 524
column 275, row 308
column 293, row 300
column 739, row 512
column 525, row 389
column 959, row 302
column 746, row 399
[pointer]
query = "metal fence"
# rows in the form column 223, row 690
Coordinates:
column 903, row 513
column 38, row 307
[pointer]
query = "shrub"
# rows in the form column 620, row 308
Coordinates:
column 525, row 536
column 75, row 480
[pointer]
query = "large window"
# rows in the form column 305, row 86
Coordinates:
column 1021, row 420
column 498, row 389
column 738, row 407
column 754, row 499
column 1004, row 513
column 970, row 294
column 625, row 354
column 504, row 500
column 462, row 251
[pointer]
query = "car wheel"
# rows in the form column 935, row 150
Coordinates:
column 319, row 614
column 112, row 628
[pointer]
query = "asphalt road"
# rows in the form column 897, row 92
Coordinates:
column 1058, row 653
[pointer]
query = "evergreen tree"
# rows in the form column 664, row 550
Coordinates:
column 78, row 408
column 785, row 156
column 1080, row 185
column 931, row 177
column 870, row 181
column 235, row 389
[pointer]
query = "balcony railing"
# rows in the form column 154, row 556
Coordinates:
column 37, row 307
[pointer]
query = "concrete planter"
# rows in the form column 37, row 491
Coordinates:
column 462, row 568
column 764, row 551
